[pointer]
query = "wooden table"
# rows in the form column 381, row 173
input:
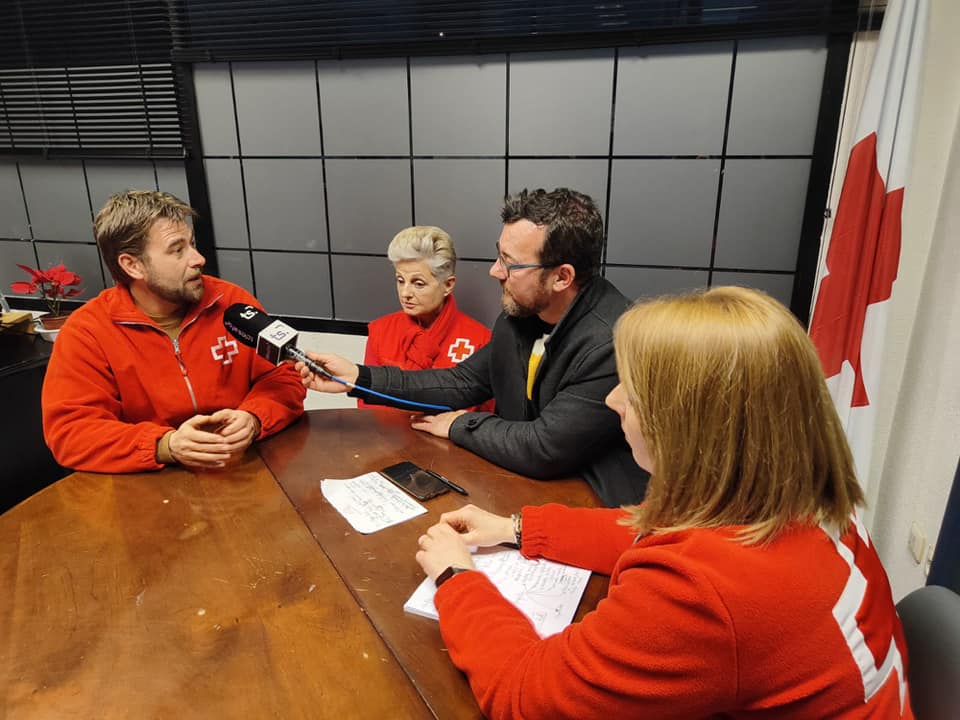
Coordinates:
column 380, row 568
column 203, row 595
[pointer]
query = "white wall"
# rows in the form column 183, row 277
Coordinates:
column 350, row 346
column 918, row 426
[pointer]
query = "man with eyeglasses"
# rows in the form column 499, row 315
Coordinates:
column 549, row 364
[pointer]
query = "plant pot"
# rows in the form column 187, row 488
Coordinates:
column 53, row 322
column 49, row 326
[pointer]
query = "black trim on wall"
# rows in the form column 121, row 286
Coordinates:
column 243, row 180
column 723, row 161
column 193, row 165
column 610, row 145
column 323, row 192
column 30, row 302
column 821, row 168
column 189, row 116
column 325, row 325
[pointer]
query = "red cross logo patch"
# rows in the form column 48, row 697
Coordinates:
column 460, row 349
column 223, row 344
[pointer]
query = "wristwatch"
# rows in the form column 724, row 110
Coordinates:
column 449, row 573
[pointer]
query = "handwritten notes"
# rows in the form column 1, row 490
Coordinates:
column 548, row 593
column 370, row 502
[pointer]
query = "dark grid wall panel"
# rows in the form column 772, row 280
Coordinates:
column 697, row 154
column 47, row 209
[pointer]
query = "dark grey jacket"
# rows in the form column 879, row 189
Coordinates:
column 566, row 429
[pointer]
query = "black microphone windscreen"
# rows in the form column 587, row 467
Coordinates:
column 245, row 322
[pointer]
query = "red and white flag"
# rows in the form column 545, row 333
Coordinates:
column 857, row 280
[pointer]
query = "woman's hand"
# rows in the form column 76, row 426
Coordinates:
column 479, row 527
column 335, row 365
column 440, row 548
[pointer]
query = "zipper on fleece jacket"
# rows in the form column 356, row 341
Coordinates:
column 183, row 371
column 176, row 345
column 176, row 350
column 176, row 354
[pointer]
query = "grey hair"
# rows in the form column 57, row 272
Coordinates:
column 426, row 243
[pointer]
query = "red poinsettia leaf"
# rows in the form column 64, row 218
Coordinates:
column 59, row 275
column 35, row 275
column 23, row 288
column 69, row 278
column 52, row 284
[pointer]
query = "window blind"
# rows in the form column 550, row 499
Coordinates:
column 88, row 79
column 124, row 109
column 251, row 29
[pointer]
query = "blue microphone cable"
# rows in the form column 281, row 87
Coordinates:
column 298, row 355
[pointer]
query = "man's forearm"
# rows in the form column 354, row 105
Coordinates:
column 454, row 387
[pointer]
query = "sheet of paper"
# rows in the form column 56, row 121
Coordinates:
column 370, row 502
column 548, row 593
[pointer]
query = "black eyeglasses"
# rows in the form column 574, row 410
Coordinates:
column 508, row 268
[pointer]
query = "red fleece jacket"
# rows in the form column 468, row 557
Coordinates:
column 695, row 625
column 399, row 341
column 116, row 382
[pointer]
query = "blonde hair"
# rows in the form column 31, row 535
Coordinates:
column 426, row 243
column 124, row 221
column 732, row 404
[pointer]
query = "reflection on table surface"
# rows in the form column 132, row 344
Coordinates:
column 380, row 568
column 238, row 593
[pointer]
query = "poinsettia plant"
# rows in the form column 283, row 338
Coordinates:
column 54, row 285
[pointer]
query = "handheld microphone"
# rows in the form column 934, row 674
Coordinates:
column 276, row 341
column 271, row 338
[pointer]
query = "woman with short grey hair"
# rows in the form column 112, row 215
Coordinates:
column 428, row 331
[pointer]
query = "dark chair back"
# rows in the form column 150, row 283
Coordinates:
column 931, row 623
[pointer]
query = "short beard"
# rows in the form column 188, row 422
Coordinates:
column 182, row 295
column 512, row 308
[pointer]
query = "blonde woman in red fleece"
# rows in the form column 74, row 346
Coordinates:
column 745, row 586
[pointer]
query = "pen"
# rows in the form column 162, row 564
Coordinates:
column 449, row 483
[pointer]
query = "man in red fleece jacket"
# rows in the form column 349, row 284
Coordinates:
column 144, row 375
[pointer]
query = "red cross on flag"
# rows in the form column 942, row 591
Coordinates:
column 857, row 280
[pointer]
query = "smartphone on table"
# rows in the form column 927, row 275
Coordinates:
column 414, row 480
